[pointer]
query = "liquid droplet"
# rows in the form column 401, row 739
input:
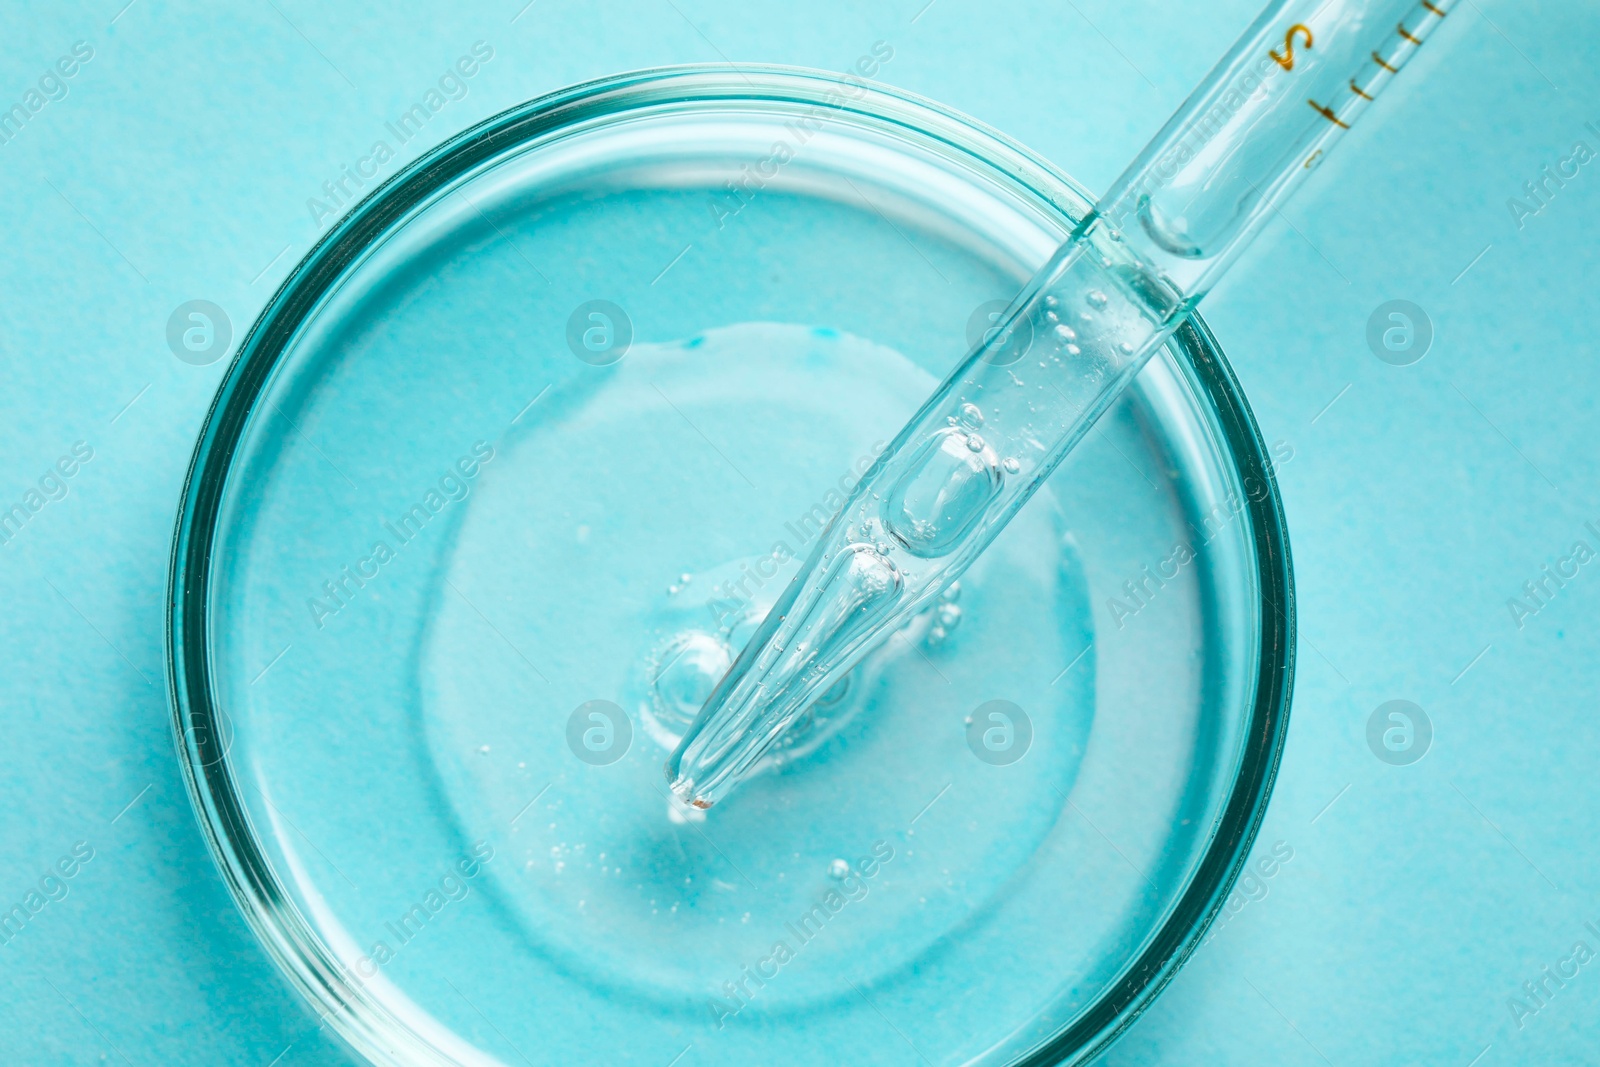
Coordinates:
column 681, row 814
column 1097, row 299
column 1011, row 465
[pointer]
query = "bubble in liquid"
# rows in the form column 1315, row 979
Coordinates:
column 972, row 415
column 1066, row 333
column 1125, row 348
column 952, row 593
column 687, row 668
column 943, row 491
column 1011, row 465
column 860, row 585
column 949, row 615
column 836, row 692
column 838, row 870
column 975, row 443
column 1051, row 301
column 1097, row 299
column 1074, row 350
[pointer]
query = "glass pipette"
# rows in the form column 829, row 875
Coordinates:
column 1130, row 274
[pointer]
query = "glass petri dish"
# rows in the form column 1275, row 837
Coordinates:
column 513, row 462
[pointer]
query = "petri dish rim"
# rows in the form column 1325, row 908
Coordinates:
column 201, row 731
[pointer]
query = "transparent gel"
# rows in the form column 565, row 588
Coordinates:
column 615, row 535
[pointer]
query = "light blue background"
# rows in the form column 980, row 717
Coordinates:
column 1419, row 898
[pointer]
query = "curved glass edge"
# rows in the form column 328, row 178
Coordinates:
column 201, row 737
column 1260, row 757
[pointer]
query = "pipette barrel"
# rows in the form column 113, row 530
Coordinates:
column 1057, row 358
column 1260, row 124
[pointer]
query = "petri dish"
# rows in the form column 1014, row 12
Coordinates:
column 516, row 458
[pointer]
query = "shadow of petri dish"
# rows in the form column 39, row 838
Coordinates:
column 508, row 470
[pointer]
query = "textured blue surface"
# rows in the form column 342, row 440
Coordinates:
column 1418, row 898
